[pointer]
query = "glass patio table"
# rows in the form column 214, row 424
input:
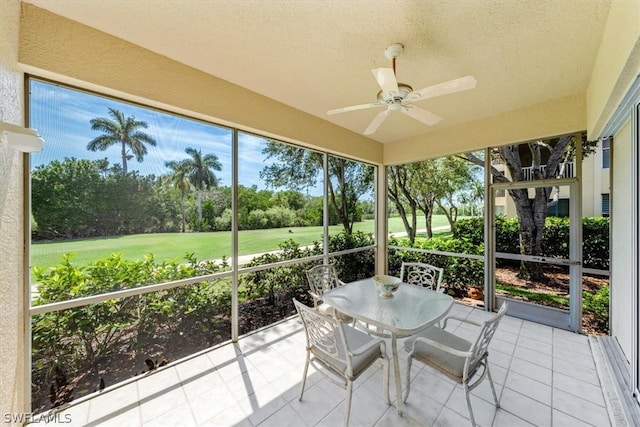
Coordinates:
column 410, row 310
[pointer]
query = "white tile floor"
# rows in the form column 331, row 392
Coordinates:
column 544, row 377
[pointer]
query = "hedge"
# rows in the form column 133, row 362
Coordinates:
column 595, row 237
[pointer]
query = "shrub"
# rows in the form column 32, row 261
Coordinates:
column 471, row 229
column 292, row 278
column 268, row 282
column 555, row 239
column 598, row 305
column 71, row 340
column 354, row 266
column 595, row 238
column 459, row 273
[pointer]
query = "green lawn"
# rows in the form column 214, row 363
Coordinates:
column 214, row 245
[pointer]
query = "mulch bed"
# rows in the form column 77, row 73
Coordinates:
column 557, row 284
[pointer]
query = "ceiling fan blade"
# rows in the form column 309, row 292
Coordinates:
column 356, row 107
column 376, row 122
column 386, row 78
column 420, row 114
column 452, row 86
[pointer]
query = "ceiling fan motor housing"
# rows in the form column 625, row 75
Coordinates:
column 393, row 98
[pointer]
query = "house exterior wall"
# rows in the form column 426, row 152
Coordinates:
column 591, row 177
column 12, row 366
column 595, row 183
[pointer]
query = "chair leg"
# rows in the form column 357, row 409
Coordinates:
column 304, row 374
column 466, row 394
column 493, row 390
column 347, row 404
column 408, row 378
column 385, row 379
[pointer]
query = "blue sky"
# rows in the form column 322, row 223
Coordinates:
column 62, row 117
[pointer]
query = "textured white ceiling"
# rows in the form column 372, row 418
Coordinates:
column 318, row 55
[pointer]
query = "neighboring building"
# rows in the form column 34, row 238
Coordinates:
column 595, row 185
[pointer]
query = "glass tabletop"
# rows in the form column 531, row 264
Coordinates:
column 410, row 309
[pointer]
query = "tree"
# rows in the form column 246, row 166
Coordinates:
column 199, row 171
column 452, row 176
column 124, row 131
column 179, row 180
column 399, row 183
column 84, row 198
column 473, row 197
column 297, row 169
column 63, row 196
column 424, row 188
column 423, row 185
column 547, row 159
column 250, row 199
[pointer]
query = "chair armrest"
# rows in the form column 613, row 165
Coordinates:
column 315, row 296
column 439, row 346
column 461, row 319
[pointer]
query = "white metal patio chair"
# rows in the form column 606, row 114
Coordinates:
column 322, row 278
column 463, row 361
column 341, row 350
column 421, row 274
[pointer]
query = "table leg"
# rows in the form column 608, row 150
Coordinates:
column 396, row 373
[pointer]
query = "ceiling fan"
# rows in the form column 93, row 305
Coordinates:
column 399, row 96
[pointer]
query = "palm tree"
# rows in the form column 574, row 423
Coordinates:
column 121, row 130
column 179, row 180
column 200, row 174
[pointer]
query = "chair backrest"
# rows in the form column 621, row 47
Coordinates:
column 479, row 350
column 325, row 336
column 322, row 278
column 419, row 273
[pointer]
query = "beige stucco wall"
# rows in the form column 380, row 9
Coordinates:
column 12, row 367
column 617, row 64
column 595, row 183
column 53, row 46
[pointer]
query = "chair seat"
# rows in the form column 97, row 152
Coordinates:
column 447, row 363
column 356, row 340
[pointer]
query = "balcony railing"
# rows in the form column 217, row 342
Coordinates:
column 566, row 170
